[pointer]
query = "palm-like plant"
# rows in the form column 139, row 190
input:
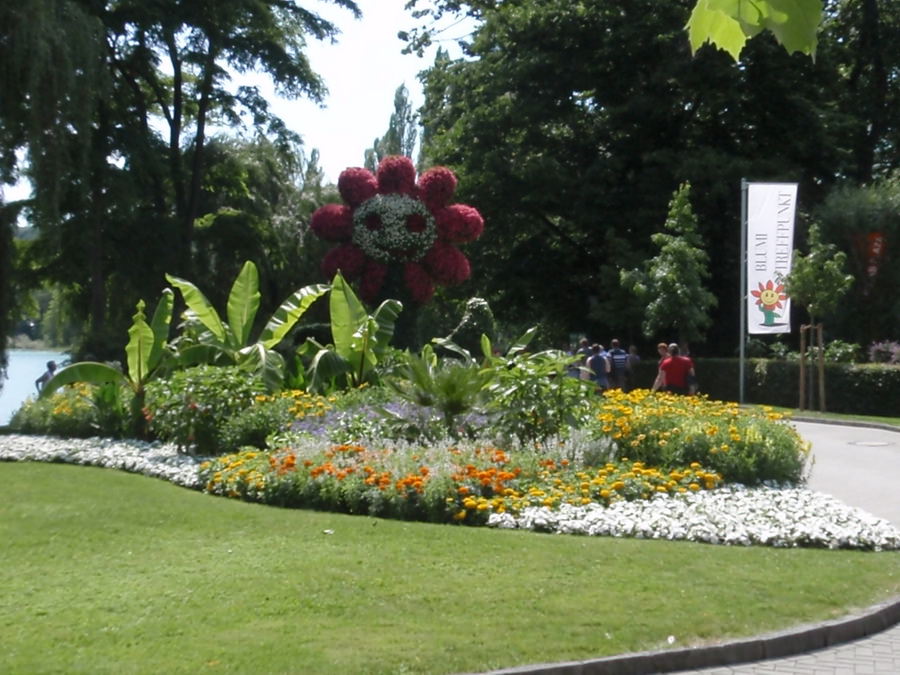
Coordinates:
column 451, row 387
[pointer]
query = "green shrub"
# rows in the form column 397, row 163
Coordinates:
column 838, row 351
column 80, row 410
column 533, row 398
column 192, row 406
column 478, row 320
column 863, row 389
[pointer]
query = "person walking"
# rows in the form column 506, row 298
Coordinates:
column 618, row 364
column 598, row 366
column 633, row 360
column 675, row 372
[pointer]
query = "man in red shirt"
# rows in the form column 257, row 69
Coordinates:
column 674, row 372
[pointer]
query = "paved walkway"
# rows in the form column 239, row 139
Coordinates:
column 878, row 654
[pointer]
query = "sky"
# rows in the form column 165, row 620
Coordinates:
column 362, row 70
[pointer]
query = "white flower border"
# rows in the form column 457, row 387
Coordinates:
column 770, row 516
column 735, row 515
column 393, row 209
column 158, row 460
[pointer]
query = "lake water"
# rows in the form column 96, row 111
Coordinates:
column 25, row 366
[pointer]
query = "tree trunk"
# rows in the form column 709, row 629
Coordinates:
column 96, row 217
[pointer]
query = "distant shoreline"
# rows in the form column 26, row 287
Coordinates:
column 26, row 343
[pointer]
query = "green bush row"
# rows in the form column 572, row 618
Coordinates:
column 862, row 389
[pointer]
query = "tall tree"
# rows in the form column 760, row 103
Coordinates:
column 570, row 146
column 400, row 137
column 672, row 287
column 862, row 38
column 126, row 212
column 864, row 223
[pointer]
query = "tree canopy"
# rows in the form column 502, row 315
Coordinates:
column 114, row 103
column 569, row 124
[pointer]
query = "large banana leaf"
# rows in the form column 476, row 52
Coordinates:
column 139, row 347
column 159, row 324
column 362, row 357
column 347, row 316
column 386, row 316
column 203, row 310
column 243, row 303
column 267, row 363
column 326, row 370
column 289, row 313
column 91, row 372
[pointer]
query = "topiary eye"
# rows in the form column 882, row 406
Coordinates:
column 415, row 223
column 373, row 221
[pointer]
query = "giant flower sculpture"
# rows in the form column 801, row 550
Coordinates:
column 392, row 226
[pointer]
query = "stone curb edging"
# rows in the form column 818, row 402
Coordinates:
column 770, row 646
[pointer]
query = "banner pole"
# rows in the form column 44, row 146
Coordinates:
column 743, row 302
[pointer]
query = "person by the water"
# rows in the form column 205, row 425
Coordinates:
column 45, row 378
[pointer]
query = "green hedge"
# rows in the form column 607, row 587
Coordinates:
column 863, row 389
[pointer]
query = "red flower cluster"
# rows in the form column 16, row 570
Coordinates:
column 390, row 218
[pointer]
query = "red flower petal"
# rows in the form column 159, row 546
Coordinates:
column 459, row 223
column 397, row 174
column 332, row 222
column 347, row 258
column 447, row 264
column 356, row 185
column 418, row 283
column 436, row 187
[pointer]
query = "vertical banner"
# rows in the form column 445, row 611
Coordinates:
column 770, row 242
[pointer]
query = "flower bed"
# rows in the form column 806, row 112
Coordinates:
column 772, row 516
column 683, row 478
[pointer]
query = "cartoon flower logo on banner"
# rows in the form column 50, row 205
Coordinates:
column 388, row 219
column 768, row 299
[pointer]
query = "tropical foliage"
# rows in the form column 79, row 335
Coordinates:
column 208, row 339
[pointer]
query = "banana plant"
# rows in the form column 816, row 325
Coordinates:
column 145, row 356
column 228, row 342
column 359, row 340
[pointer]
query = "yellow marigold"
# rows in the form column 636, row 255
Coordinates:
column 694, row 487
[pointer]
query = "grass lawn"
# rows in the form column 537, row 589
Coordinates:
column 104, row 571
